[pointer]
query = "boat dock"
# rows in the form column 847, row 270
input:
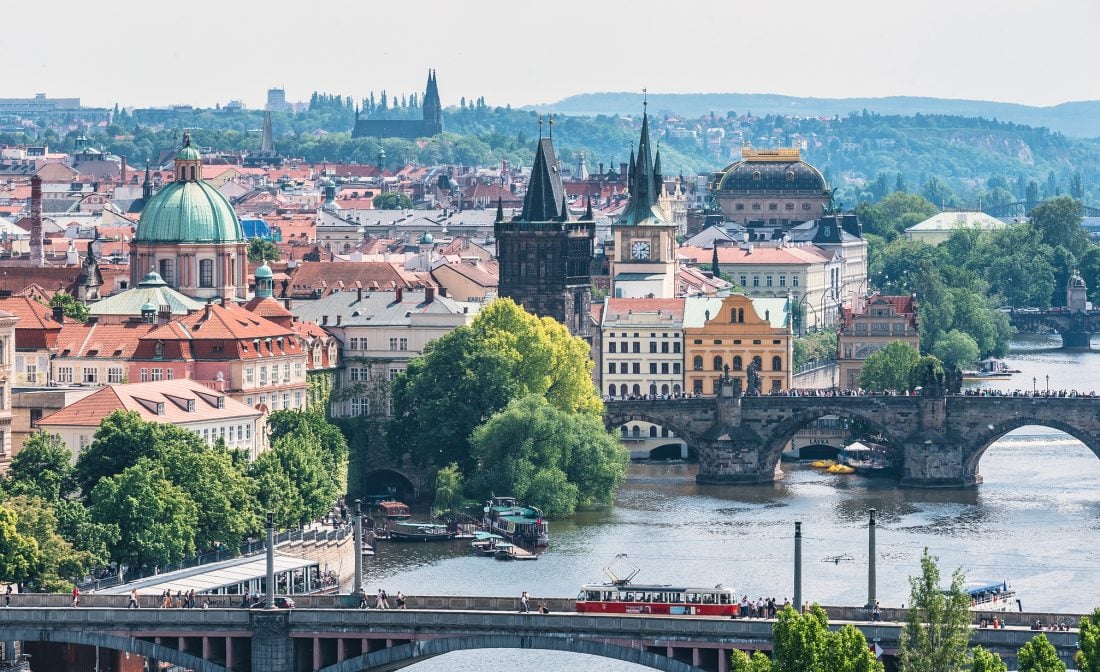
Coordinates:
column 508, row 551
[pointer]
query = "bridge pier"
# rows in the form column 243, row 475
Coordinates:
column 272, row 647
column 1077, row 340
column 931, row 462
column 724, row 461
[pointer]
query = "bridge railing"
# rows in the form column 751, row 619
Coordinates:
column 249, row 547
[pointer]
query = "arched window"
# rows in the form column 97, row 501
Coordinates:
column 718, row 363
column 637, row 389
column 653, row 431
column 653, row 389
column 192, row 172
column 698, row 363
column 676, row 389
column 636, row 431
column 611, row 390
column 206, row 272
column 623, row 390
column 664, row 389
column 624, row 430
column 777, row 363
column 740, row 314
column 737, row 364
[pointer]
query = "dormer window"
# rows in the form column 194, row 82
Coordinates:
column 190, row 405
column 221, row 402
column 158, row 350
column 160, row 408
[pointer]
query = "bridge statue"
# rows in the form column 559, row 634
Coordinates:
column 1075, row 323
column 752, row 372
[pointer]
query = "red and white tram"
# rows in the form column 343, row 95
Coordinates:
column 628, row 598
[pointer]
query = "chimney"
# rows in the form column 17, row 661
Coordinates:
column 37, row 256
column 164, row 315
column 58, row 314
column 443, row 292
column 429, row 294
column 226, row 301
column 324, row 320
column 358, row 293
column 339, row 319
column 122, row 172
column 286, row 302
column 622, row 171
column 397, row 294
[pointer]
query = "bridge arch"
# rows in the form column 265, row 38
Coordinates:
column 984, row 440
column 782, row 432
column 401, row 656
column 390, row 482
column 614, row 421
column 125, row 644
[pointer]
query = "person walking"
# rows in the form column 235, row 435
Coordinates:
column 7, row 596
column 133, row 603
column 524, row 603
column 400, row 600
column 380, row 600
column 362, row 598
column 76, row 596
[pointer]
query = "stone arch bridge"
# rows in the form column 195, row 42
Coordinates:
column 938, row 440
column 1075, row 327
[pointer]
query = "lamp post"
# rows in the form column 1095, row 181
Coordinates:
column 270, row 560
column 1034, row 385
column 1048, row 383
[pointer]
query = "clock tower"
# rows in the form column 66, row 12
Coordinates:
column 645, row 262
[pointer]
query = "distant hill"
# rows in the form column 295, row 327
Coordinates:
column 1078, row 119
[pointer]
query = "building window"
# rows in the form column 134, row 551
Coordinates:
column 653, row 346
column 756, row 281
column 782, row 281
column 653, row 368
column 769, row 280
column 637, row 346
column 286, row 400
column 32, row 373
column 756, row 206
column 114, row 375
column 664, row 367
column 249, row 375
column 206, row 272
column 676, row 367
column 676, row 347
column 286, row 372
column 145, row 375
column 664, row 347
column 298, row 399
column 206, row 435
column 393, row 344
column 274, row 374
column 739, row 206
column 794, row 281
column 697, row 386
column 789, row 206
column 157, row 373
column 168, row 374
column 773, row 206
column 250, row 402
column 777, row 363
column 166, row 272
column 64, row 374
column 359, row 375
column 263, row 375
column 805, row 206
column 636, row 367
column 744, row 281
column 611, row 347
column 737, row 363
column 611, row 367
column 403, row 344
column 248, row 432
column 394, row 373
column 91, row 375
column 360, row 406
column 718, row 363
column 298, row 370
column 697, row 363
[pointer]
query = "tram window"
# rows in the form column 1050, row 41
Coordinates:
column 610, row 597
column 725, row 598
column 676, row 597
column 593, row 596
column 629, row 597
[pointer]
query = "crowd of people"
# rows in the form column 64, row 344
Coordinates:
column 846, row 392
column 381, row 599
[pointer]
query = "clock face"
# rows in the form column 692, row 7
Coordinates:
column 640, row 249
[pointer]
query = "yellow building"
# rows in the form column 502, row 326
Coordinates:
column 736, row 332
column 868, row 328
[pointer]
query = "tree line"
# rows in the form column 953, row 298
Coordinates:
column 146, row 494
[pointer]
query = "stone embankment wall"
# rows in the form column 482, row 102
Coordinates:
column 336, row 555
column 821, row 378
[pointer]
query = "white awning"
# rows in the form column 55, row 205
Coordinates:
column 209, row 578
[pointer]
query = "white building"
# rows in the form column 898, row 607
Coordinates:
column 212, row 415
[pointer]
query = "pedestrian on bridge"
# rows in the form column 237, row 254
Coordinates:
column 76, row 596
column 380, row 600
column 133, row 603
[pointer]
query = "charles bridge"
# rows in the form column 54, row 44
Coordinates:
column 331, row 639
column 1075, row 327
column 938, row 439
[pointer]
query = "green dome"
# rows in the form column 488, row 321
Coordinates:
column 148, row 307
column 264, row 272
column 427, row 239
column 188, row 153
column 152, row 279
column 188, row 212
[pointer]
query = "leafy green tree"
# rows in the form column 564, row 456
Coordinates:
column 1059, row 222
column 225, row 496
column 19, row 559
column 986, row 661
column 894, row 213
column 741, row 662
column 156, row 519
column 889, row 368
column 926, row 372
column 75, row 524
column 448, row 488
column 1087, row 657
column 260, row 249
column 471, row 373
column 1039, row 655
column 937, row 629
column 60, row 564
column 328, row 440
column 818, row 345
column 553, row 459
column 41, row 468
column 392, row 200
column 122, row 439
column 277, row 491
column 804, row 643
column 956, row 348
column 295, row 459
column 70, row 306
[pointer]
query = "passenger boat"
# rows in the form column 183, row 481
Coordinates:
column 867, row 459
column 992, row 597
column 990, row 368
column 822, row 464
column 394, row 510
column 620, row 596
column 485, row 543
column 515, row 522
column 420, row 532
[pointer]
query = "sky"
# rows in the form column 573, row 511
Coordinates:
column 202, row 52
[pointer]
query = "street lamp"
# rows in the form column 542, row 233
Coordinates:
column 1034, row 385
column 1048, row 383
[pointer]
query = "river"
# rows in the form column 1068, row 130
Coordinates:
column 1034, row 521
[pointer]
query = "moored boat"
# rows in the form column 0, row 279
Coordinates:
column 992, row 597
column 867, row 459
column 420, row 532
column 515, row 522
column 394, row 510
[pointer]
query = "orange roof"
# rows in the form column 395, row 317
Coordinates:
column 31, row 314
column 329, row 275
column 216, row 321
column 110, row 341
column 806, row 254
column 161, row 401
column 617, row 308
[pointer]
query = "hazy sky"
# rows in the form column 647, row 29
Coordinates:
column 145, row 52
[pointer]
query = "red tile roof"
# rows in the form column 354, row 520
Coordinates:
column 173, row 394
column 806, row 254
column 343, row 275
column 616, row 308
column 109, row 341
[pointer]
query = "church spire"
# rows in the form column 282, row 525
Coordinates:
column 588, row 217
column 564, row 210
column 500, row 210
column 545, row 193
column 630, row 170
column 643, row 191
column 147, row 185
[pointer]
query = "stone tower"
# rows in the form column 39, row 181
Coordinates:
column 1076, row 293
column 545, row 256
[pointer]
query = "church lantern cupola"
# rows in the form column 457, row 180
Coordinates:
column 188, row 161
column 265, row 281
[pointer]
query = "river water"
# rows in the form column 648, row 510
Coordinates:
column 1035, row 521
